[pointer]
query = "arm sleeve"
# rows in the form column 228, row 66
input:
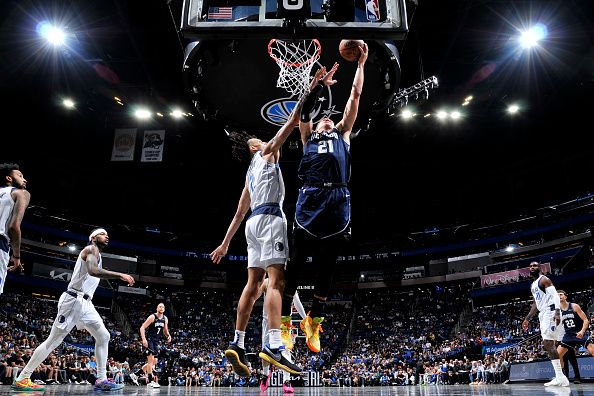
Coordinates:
column 298, row 305
column 310, row 102
column 555, row 296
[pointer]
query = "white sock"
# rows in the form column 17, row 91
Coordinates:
column 557, row 367
column 274, row 338
column 239, row 338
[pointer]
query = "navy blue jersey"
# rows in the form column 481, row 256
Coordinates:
column 571, row 322
column 326, row 159
column 155, row 330
column 323, row 206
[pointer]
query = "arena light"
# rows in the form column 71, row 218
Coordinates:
column 455, row 115
column 142, row 114
column 54, row 35
column 530, row 37
column 68, row 103
column 407, row 114
column 442, row 114
column 513, row 109
column 176, row 113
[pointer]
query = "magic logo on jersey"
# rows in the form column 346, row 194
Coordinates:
column 277, row 111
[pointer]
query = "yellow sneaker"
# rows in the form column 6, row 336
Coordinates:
column 312, row 328
column 26, row 385
column 286, row 327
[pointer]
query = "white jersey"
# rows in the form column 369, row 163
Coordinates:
column 541, row 298
column 6, row 206
column 81, row 280
column 265, row 182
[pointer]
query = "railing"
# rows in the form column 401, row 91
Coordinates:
column 122, row 318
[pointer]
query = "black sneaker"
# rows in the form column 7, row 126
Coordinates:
column 275, row 357
column 236, row 356
column 577, row 381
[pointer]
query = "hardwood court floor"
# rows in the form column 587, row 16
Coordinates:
column 432, row 390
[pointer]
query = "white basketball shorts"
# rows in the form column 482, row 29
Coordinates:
column 267, row 240
column 548, row 328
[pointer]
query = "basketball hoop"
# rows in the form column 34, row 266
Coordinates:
column 295, row 59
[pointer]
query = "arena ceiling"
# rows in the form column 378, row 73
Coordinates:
column 408, row 176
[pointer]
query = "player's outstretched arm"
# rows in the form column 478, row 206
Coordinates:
column 274, row 145
column 242, row 208
column 91, row 258
column 351, row 109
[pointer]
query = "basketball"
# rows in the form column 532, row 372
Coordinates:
column 349, row 49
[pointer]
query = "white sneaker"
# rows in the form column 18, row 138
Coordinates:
column 554, row 382
column 155, row 384
column 134, row 379
column 564, row 381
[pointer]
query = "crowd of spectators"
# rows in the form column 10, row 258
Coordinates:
column 373, row 338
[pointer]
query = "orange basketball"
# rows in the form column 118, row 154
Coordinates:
column 349, row 49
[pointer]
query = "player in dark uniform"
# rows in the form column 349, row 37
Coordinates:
column 152, row 331
column 323, row 210
column 575, row 323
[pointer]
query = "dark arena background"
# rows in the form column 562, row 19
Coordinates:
column 472, row 157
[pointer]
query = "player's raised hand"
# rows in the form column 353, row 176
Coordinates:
column 328, row 79
column 364, row 49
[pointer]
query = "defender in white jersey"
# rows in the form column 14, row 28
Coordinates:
column 75, row 307
column 266, row 235
column 14, row 199
column 266, row 371
column 547, row 303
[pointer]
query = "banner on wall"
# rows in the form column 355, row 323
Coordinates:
column 152, row 146
column 124, row 143
column 55, row 273
column 513, row 276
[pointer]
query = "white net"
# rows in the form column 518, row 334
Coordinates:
column 295, row 59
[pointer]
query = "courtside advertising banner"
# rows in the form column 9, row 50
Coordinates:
column 124, row 143
column 152, row 146
column 543, row 370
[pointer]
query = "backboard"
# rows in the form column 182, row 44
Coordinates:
column 338, row 19
column 231, row 78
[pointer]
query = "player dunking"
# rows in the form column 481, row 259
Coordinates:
column 152, row 331
column 76, row 308
column 575, row 325
column 547, row 303
column 323, row 210
column 266, row 369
